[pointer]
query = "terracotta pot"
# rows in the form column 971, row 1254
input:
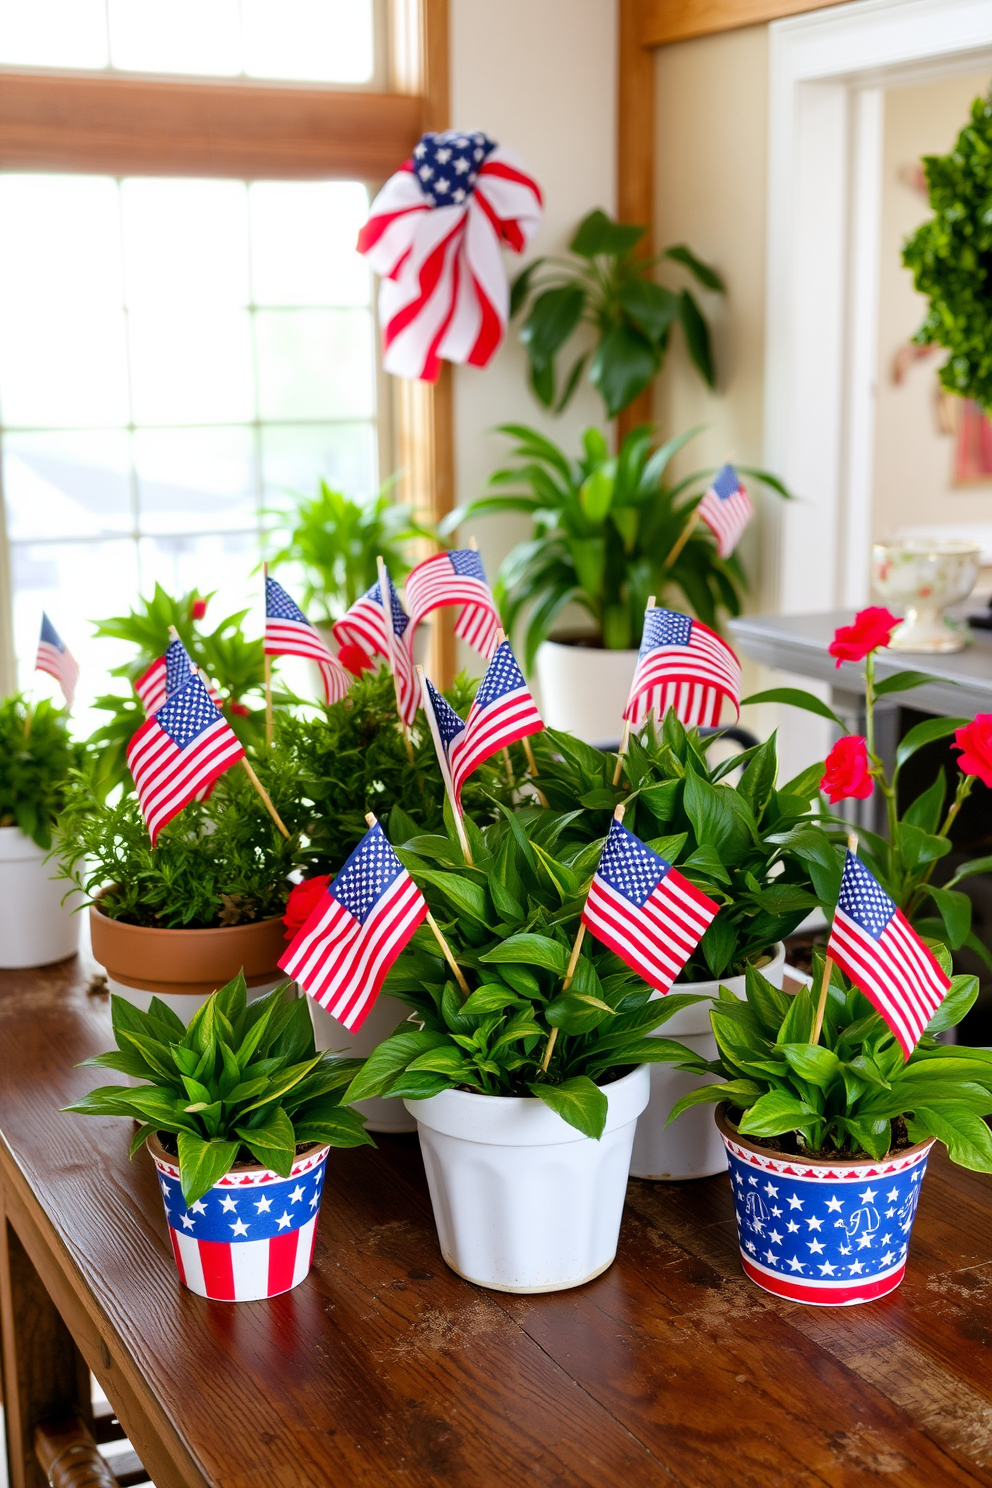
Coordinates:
column 183, row 967
column 825, row 1232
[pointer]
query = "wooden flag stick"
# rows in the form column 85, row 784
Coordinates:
column 267, row 799
column 387, row 611
column 442, row 760
column 625, row 741
column 682, row 538
column 828, row 965
column 508, row 766
column 268, row 671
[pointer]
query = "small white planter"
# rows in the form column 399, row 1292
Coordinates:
column 382, row 1113
column 691, row 1147
column 522, row 1201
column 584, row 690
column 35, row 927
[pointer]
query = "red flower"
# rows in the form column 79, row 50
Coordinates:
column 871, row 629
column 199, row 609
column 975, row 743
column 239, row 710
column 303, row 900
column 846, row 772
column 355, row 659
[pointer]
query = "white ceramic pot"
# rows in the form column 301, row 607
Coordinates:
column 522, row 1201
column 691, row 1147
column 35, row 927
column 382, row 1113
column 583, row 690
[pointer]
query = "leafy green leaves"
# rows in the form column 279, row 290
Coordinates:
column 578, row 1101
column 37, row 757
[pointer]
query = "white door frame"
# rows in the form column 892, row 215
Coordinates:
column 827, row 76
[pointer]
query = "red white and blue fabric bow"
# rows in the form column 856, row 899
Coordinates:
column 434, row 236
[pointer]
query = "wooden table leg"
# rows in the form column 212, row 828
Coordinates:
column 45, row 1375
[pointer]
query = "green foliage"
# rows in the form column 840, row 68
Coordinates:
column 336, row 542
column 510, row 922
column 608, row 286
column 37, row 757
column 950, row 257
column 604, row 526
column 242, row 1083
column 840, row 1097
column 757, row 848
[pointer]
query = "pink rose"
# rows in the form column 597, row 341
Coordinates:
column 975, row 743
column 871, row 629
column 303, row 900
column 846, row 772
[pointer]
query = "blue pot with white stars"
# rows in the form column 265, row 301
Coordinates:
column 252, row 1235
column 830, row 1234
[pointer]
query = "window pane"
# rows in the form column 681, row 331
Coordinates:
column 60, row 241
column 69, row 485
column 63, row 370
column 295, row 459
column 303, row 238
column 224, row 563
column 184, row 36
column 191, row 367
column 314, row 364
column 53, row 33
column 314, row 40
column 193, row 480
column 185, row 242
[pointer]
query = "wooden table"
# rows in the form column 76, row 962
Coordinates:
column 385, row 1368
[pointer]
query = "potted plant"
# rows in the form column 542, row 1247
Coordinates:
column 526, row 1070
column 755, row 848
column 604, row 529
column 607, row 285
column 238, row 1111
column 828, row 1132
column 37, row 758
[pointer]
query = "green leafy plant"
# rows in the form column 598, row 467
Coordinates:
column 336, row 542
column 608, row 286
column 37, row 758
column 950, row 256
column 510, row 922
column 851, row 1093
column 757, row 848
column 604, row 526
column 242, row 1084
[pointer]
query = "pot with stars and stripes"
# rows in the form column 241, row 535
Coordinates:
column 827, row 1233
column 252, row 1235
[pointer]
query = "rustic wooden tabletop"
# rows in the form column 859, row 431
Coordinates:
column 386, row 1368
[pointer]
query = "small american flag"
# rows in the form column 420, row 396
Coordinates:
column 55, row 658
column 359, row 927
column 365, row 625
column 874, row 944
column 178, row 753
column 684, row 665
column 503, row 712
column 288, row 632
column 455, row 578
column 642, row 908
column 726, row 509
column 164, row 677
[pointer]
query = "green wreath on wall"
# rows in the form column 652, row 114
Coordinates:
column 951, row 258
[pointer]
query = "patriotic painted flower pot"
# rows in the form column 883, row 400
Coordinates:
column 691, row 1147
column 252, row 1235
column 35, row 927
column 383, row 1113
column 522, row 1201
column 584, row 689
column 830, row 1234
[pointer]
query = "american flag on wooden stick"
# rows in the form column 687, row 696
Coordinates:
column 55, row 658
column 726, row 509
column 455, row 578
column 684, row 665
column 288, row 632
column 643, row 908
column 359, row 927
column 165, row 676
column 177, row 754
column 503, row 712
column 365, row 625
column 874, row 944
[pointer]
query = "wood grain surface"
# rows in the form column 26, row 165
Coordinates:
column 386, row 1368
column 660, row 22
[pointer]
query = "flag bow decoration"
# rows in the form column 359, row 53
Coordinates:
column 178, row 753
column 503, row 712
column 55, row 658
column 288, row 632
column 434, row 236
column 367, row 626
column 455, row 578
column 874, row 944
column 684, row 665
column 643, row 908
column 726, row 509
column 360, row 925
